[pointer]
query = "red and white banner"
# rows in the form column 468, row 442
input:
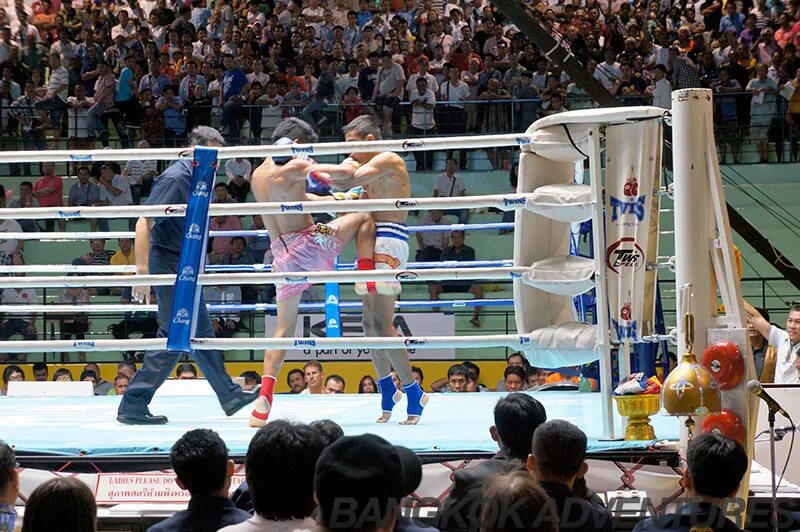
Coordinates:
column 633, row 180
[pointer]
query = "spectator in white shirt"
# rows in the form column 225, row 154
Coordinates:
column 786, row 342
column 140, row 174
column 10, row 248
column 608, row 72
column 55, row 96
column 23, row 323
column 422, row 101
column 661, row 90
column 449, row 185
column 431, row 244
column 115, row 190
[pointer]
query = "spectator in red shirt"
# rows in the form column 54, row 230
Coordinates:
column 221, row 245
column 49, row 190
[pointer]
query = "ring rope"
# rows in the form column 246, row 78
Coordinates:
column 89, row 235
column 232, row 152
column 514, row 341
column 504, row 202
column 435, row 274
column 213, row 268
column 344, row 305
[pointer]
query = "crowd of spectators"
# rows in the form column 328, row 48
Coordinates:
column 305, row 477
column 156, row 68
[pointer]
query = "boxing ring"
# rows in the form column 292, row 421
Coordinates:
column 547, row 280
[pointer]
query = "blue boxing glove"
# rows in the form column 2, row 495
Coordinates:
column 318, row 183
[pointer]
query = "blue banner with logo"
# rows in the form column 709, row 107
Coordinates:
column 332, row 318
column 183, row 318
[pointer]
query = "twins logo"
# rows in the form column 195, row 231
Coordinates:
column 525, row 340
column 296, row 207
column 411, row 144
column 523, row 140
column 201, row 190
column 176, row 210
column 85, row 344
column 187, row 275
column 305, row 343
column 194, row 232
column 80, row 157
column 507, row 202
column 303, row 150
column 295, row 280
column 624, row 331
column 621, row 207
column 69, row 214
column 415, row 342
column 624, row 253
column 515, row 275
column 182, row 317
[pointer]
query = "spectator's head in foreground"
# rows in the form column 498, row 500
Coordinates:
column 515, row 501
column 516, row 418
column 360, row 481
column 63, row 504
column 9, row 476
column 558, row 453
column 715, row 467
column 201, row 463
column 285, row 451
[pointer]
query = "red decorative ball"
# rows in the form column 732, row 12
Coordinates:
column 725, row 363
column 727, row 423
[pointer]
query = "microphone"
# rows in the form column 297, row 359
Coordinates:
column 782, row 431
column 755, row 387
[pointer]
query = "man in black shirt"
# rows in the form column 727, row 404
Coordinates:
column 460, row 252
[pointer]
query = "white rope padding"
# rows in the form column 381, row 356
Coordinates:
column 505, row 202
column 514, row 341
column 247, row 278
column 232, row 152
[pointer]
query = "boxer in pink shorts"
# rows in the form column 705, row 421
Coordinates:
column 312, row 249
column 298, row 244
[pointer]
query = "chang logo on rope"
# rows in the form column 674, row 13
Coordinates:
column 194, row 232
column 80, row 157
column 83, row 344
column 332, row 300
column 294, row 207
column 415, row 342
column 175, row 210
column 406, row 204
column 182, row 317
column 406, row 276
column 305, row 343
column 201, row 190
column 507, row 202
column 295, row 279
column 70, row 214
column 333, row 324
column 187, row 275
column 412, row 144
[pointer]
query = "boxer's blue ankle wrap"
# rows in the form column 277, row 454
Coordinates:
column 183, row 318
column 414, row 397
column 388, row 390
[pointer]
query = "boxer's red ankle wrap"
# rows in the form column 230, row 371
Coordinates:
column 268, row 387
column 367, row 264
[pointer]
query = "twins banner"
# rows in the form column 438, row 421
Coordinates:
column 633, row 179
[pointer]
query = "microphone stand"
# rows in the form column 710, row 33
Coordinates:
column 773, row 471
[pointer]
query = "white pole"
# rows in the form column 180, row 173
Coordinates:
column 601, row 302
column 691, row 112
